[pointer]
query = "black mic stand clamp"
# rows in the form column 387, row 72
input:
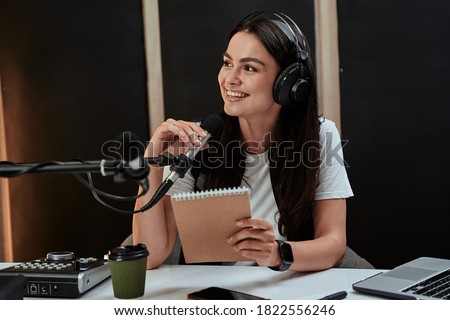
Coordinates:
column 182, row 165
column 135, row 170
column 120, row 170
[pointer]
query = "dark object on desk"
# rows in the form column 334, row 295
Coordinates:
column 60, row 275
column 423, row 278
column 216, row 293
column 13, row 287
column 335, row 296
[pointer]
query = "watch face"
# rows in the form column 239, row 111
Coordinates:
column 286, row 252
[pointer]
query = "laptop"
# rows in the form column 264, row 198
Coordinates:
column 424, row 278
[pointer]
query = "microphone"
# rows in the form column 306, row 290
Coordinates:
column 133, row 164
column 213, row 125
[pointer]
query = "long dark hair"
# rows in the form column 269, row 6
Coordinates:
column 293, row 185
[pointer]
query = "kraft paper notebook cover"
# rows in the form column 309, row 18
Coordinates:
column 206, row 219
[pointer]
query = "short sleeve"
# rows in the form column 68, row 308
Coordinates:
column 333, row 179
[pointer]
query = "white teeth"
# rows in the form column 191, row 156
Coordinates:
column 236, row 94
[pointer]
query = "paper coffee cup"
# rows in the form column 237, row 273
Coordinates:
column 128, row 266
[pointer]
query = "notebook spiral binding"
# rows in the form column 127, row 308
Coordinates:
column 195, row 195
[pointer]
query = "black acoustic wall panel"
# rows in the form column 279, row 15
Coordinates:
column 73, row 77
column 395, row 109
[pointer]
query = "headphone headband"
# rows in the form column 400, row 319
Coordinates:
column 291, row 86
column 282, row 24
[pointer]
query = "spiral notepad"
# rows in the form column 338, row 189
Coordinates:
column 206, row 219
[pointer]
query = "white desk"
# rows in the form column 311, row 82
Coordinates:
column 176, row 281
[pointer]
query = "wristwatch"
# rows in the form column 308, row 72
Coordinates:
column 286, row 256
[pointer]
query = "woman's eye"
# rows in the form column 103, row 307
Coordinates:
column 227, row 64
column 250, row 68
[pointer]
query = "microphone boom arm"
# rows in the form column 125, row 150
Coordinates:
column 105, row 167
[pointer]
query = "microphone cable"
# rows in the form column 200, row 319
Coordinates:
column 95, row 193
column 25, row 170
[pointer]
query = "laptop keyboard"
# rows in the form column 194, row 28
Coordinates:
column 437, row 286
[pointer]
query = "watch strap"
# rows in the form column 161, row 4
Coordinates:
column 284, row 264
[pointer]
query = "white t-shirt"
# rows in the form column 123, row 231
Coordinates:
column 333, row 180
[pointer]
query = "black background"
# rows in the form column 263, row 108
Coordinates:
column 395, row 95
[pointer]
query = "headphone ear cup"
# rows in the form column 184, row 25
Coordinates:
column 289, row 88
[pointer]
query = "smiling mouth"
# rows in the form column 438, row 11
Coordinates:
column 236, row 94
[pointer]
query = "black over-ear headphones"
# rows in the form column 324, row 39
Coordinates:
column 291, row 86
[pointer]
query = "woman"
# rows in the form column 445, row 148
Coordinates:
column 298, row 189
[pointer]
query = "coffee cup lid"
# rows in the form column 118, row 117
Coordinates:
column 124, row 253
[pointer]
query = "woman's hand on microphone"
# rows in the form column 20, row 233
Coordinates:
column 175, row 137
